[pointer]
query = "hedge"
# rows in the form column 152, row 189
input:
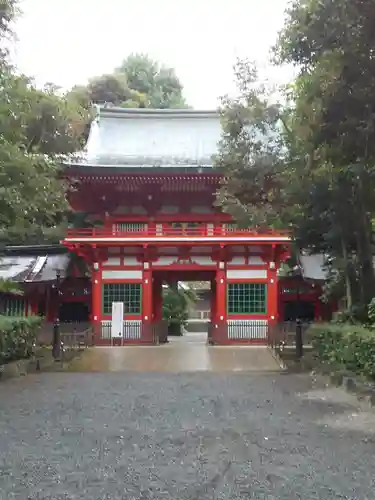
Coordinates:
column 17, row 337
column 348, row 347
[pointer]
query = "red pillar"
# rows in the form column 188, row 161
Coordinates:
column 147, row 310
column 272, row 294
column 213, row 302
column 157, row 299
column 96, row 309
column 220, row 332
column 318, row 316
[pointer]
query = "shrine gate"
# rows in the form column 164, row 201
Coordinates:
column 148, row 182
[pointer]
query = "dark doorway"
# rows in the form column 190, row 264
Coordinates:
column 74, row 312
column 302, row 310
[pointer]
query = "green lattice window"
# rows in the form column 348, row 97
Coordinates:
column 128, row 293
column 247, row 298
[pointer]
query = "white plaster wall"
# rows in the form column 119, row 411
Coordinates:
column 237, row 261
column 203, row 260
column 255, row 260
column 131, row 261
column 112, row 261
column 247, row 274
column 164, row 260
column 122, row 274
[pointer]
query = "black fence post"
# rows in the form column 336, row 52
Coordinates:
column 56, row 345
column 299, row 339
column 56, row 340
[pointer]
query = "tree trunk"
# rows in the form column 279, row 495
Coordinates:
column 364, row 246
column 348, row 282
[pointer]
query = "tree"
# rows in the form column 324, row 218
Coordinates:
column 37, row 126
column 175, row 307
column 251, row 155
column 309, row 165
column 160, row 84
column 139, row 82
column 8, row 11
column 333, row 44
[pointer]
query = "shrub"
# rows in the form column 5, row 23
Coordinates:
column 351, row 347
column 17, row 337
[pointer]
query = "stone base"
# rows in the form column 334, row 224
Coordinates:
column 365, row 392
column 14, row 369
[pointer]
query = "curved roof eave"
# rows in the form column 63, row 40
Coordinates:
column 117, row 112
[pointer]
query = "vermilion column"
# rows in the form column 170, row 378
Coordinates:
column 220, row 332
column 147, row 312
column 157, row 300
column 213, row 301
column 318, row 310
column 272, row 294
column 96, row 309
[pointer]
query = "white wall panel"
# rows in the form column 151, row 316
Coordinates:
column 246, row 274
column 122, row 275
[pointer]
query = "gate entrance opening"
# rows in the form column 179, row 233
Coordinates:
column 184, row 303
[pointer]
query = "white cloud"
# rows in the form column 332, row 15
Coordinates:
column 67, row 42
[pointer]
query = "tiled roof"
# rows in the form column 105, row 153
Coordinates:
column 31, row 269
column 152, row 138
column 313, row 267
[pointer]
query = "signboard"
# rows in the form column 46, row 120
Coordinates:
column 117, row 320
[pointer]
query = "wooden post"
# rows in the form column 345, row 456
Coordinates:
column 213, row 302
column 272, row 295
column 147, row 309
column 96, row 309
column 220, row 332
column 157, row 300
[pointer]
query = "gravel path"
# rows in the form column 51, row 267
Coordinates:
column 182, row 436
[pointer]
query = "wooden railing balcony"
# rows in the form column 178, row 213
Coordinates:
column 173, row 233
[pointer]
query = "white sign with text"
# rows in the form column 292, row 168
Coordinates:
column 117, row 320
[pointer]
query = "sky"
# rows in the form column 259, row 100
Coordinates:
column 69, row 41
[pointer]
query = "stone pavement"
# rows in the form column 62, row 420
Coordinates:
column 193, row 436
column 224, row 429
column 183, row 354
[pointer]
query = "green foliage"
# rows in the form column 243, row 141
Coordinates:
column 139, row 82
column 251, row 153
column 17, row 337
column 8, row 286
column 8, row 12
column 332, row 117
column 37, row 126
column 309, row 165
column 175, row 305
column 349, row 347
column 371, row 311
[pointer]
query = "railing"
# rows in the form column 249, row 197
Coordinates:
column 203, row 232
column 248, row 330
column 77, row 338
column 238, row 330
column 131, row 330
column 294, row 335
column 135, row 330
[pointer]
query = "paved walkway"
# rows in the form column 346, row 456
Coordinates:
column 189, row 353
column 190, row 436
